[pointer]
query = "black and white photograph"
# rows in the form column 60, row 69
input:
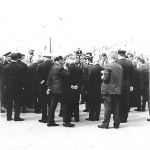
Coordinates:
column 74, row 74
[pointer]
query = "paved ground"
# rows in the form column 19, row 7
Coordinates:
column 32, row 135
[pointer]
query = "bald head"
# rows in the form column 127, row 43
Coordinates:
column 72, row 60
column 112, row 56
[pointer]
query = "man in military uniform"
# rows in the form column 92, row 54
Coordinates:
column 33, row 85
column 42, row 74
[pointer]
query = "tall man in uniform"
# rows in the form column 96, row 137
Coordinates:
column 126, row 84
column 12, row 77
column 33, row 85
column 42, row 74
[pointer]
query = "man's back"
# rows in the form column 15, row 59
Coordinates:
column 94, row 78
column 75, row 74
column 112, row 82
column 127, row 72
column 54, row 79
column 13, row 76
column 143, row 73
column 43, row 70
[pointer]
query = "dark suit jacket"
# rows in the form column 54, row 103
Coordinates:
column 43, row 71
column 33, row 81
column 12, row 77
column 112, row 82
column 128, row 71
column 54, row 82
column 1, row 67
column 143, row 74
column 75, row 76
column 94, row 80
column 25, row 72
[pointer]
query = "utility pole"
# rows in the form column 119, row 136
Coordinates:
column 50, row 45
column 94, row 50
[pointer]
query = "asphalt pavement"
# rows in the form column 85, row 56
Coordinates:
column 32, row 135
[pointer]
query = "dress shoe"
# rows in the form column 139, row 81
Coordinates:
column 9, row 119
column 24, row 110
column 77, row 120
column 88, row 119
column 143, row 110
column 18, row 119
column 96, row 119
column 43, row 121
column 85, row 110
column 37, row 111
column 148, row 119
column 123, row 121
column 116, row 126
column 68, row 125
column 101, row 126
column 52, row 124
column 2, row 111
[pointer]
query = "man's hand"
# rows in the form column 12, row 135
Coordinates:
column 131, row 88
column 65, row 67
column 72, row 87
column 102, row 77
column 48, row 91
column 76, row 87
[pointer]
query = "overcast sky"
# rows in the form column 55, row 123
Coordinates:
column 26, row 24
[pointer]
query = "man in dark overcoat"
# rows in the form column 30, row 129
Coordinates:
column 94, row 82
column 126, row 84
column 1, row 88
column 13, row 83
column 54, row 87
column 42, row 75
column 25, row 100
column 143, row 84
column 148, row 94
column 33, row 85
column 71, row 92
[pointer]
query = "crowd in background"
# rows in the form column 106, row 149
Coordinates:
column 118, row 79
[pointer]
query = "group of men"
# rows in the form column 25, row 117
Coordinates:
column 64, row 80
